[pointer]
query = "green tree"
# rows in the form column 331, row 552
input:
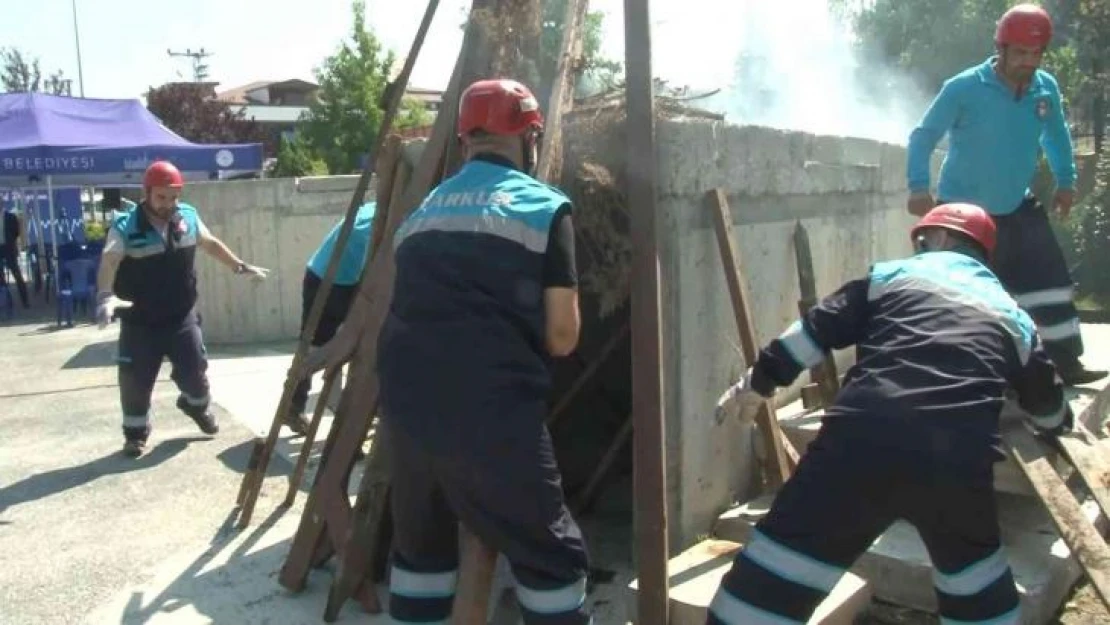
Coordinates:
column 1092, row 32
column 295, row 158
column 928, row 39
column 342, row 123
column 20, row 74
column 191, row 110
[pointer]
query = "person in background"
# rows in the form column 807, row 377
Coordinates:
column 147, row 274
column 914, row 432
column 998, row 115
column 11, row 232
column 348, row 276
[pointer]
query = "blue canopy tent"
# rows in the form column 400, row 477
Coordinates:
column 49, row 141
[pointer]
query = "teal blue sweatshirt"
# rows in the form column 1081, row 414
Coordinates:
column 993, row 139
column 354, row 256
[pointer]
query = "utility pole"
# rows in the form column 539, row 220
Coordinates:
column 200, row 69
column 77, row 41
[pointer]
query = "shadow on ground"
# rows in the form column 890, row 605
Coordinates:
column 49, row 483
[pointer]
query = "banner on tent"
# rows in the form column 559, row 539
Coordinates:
column 68, row 222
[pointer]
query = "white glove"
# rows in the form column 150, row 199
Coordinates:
column 739, row 401
column 258, row 274
column 106, row 306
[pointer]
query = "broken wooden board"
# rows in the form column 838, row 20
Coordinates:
column 824, row 374
column 783, row 457
column 1092, row 461
column 1077, row 531
column 899, row 571
column 696, row 573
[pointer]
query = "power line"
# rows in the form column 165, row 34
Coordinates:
column 200, row 68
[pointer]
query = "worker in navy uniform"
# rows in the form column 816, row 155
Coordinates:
column 485, row 296
column 147, row 275
column 998, row 116
column 913, row 434
column 345, row 287
column 10, row 232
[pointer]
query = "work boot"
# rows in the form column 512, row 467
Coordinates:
column 133, row 447
column 297, row 422
column 1075, row 374
column 205, row 421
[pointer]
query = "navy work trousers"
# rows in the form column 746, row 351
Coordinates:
column 141, row 350
column 509, row 498
column 843, row 495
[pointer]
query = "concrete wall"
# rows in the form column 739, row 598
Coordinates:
column 850, row 196
column 274, row 223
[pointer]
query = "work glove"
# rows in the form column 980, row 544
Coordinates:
column 739, row 401
column 106, row 306
column 257, row 274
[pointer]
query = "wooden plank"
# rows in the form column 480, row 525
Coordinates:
column 586, row 496
column 562, row 92
column 587, row 373
column 649, row 415
column 824, row 374
column 783, row 457
column 1092, row 462
column 360, row 397
column 253, row 479
column 295, row 478
column 472, row 596
column 1078, row 533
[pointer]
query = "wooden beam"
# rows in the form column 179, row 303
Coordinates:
column 588, row 373
column 562, row 92
column 252, row 480
column 586, row 496
column 783, row 458
column 1078, row 533
column 824, row 374
column 327, row 509
column 649, row 441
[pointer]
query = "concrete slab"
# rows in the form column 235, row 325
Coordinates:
column 695, row 575
column 899, row 570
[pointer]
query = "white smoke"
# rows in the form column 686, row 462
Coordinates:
column 786, row 64
column 798, row 68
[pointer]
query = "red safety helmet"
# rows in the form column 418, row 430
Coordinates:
column 967, row 219
column 162, row 174
column 1024, row 25
column 500, row 107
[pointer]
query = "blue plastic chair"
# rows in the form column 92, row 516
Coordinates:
column 78, row 289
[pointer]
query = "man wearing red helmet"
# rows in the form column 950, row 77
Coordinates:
column 147, row 275
column 913, row 434
column 998, row 115
column 485, row 295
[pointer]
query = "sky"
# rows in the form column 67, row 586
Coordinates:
column 807, row 82
column 124, row 43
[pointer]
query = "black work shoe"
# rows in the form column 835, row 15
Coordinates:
column 297, row 423
column 1076, row 374
column 133, row 448
column 206, row 422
